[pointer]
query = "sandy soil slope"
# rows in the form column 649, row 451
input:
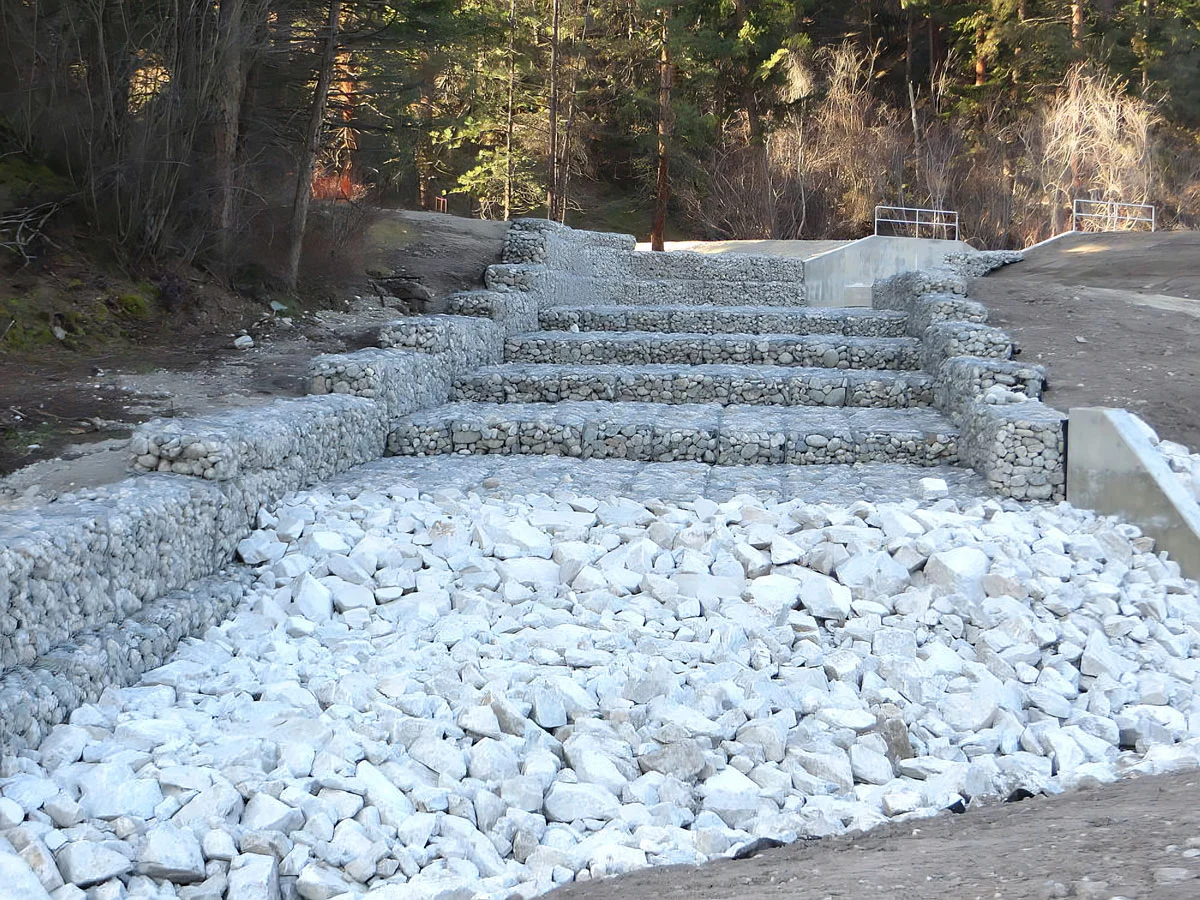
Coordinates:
column 1115, row 318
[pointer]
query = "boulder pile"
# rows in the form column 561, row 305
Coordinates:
column 439, row 696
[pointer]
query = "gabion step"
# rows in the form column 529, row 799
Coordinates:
column 727, row 320
column 503, row 477
column 710, row 433
column 644, row 347
column 680, row 384
column 688, row 265
column 713, row 292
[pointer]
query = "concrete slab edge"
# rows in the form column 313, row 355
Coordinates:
column 1114, row 469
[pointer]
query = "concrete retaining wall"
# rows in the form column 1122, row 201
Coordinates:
column 1113, row 468
column 843, row 276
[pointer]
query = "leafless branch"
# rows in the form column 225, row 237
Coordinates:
column 22, row 229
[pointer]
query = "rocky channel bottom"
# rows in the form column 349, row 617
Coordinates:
column 440, row 696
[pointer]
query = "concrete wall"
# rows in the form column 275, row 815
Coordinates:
column 793, row 249
column 843, row 277
column 1113, row 468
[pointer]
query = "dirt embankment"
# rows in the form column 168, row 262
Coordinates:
column 1116, row 320
column 80, row 400
column 1139, row 839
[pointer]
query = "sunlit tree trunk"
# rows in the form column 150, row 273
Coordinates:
column 512, row 92
column 665, row 79
column 552, row 173
column 231, row 78
column 423, row 158
column 746, row 88
column 980, row 56
column 908, row 80
column 1147, row 10
column 347, row 97
column 312, row 145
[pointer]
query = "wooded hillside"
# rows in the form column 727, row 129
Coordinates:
column 201, row 129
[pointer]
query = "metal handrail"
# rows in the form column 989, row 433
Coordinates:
column 1111, row 212
column 945, row 219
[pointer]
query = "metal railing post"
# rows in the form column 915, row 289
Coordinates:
column 938, row 221
column 1113, row 214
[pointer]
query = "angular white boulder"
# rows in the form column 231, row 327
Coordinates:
column 958, row 571
column 822, row 596
column 570, row 802
column 171, row 854
column 392, row 804
column 264, row 813
column 83, row 863
column 254, row 876
column 312, row 599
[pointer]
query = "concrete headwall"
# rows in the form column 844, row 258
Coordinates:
column 843, row 276
column 1113, row 468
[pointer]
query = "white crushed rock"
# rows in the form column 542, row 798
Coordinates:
column 1181, row 460
column 438, row 696
column 1185, row 465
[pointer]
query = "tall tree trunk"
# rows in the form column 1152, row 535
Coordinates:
column 564, row 169
column 980, row 56
column 916, row 127
column 312, row 145
column 665, row 122
column 231, row 81
column 1147, row 11
column 908, row 45
column 746, row 82
column 424, row 154
column 512, row 92
column 552, row 174
column 346, row 98
column 938, row 52
column 1077, row 23
column 912, row 93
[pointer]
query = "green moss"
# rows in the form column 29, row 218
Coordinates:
column 134, row 305
column 23, row 329
column 24, row 180
column 31, row 321
column 15, row 440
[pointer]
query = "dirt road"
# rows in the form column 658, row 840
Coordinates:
column 1115, row 318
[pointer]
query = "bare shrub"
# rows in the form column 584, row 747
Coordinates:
column 823, row 169
column 1091, row 139
column 1010, row 172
